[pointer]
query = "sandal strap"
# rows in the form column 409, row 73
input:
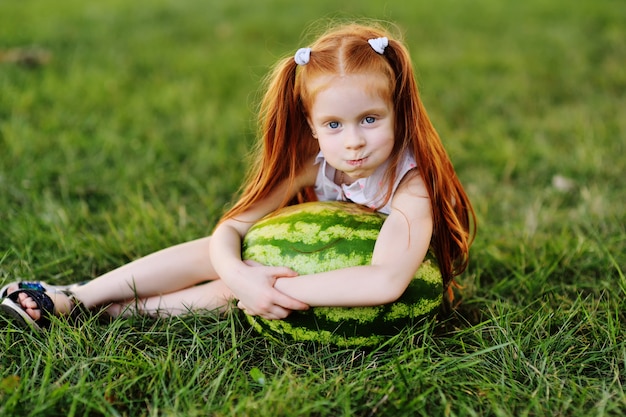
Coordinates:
column 77, row 310
column 43, row 301
column 23, row 285
column 31, row 285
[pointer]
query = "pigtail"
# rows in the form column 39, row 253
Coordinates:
column 285, row 140
column 453, row 215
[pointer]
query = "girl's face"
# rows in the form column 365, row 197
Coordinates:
column 353, row 123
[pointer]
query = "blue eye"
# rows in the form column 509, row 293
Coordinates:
column 370, row 119
column 333, row 125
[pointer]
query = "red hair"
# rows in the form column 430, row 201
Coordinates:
column 287, row 143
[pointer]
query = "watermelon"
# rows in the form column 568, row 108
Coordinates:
column 322, row 236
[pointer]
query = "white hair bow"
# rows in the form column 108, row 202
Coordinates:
column 302, row 56
column 379, row 44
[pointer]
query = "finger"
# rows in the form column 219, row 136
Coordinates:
column 243, row 308
column 283, row 272
column 288, row 303
column 276, row 313
column 273, row 312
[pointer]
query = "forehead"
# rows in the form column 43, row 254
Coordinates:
column 372, row 85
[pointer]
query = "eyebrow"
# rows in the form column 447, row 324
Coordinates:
column 373, row 111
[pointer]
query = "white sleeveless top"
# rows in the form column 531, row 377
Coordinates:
column 368, row 191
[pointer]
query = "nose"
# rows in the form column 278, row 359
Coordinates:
column 354, row 139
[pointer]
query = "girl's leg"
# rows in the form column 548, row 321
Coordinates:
column 166, row 271
column 149, row 279
column 213, row 295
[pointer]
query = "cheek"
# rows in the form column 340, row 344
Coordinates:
column 324, row 145
column 391, row 136
column 328, row 147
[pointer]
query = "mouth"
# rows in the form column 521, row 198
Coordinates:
column 356, row 162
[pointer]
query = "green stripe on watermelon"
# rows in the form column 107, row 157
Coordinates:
column 323, row 236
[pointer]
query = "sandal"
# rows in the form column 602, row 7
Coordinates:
column 12, row 309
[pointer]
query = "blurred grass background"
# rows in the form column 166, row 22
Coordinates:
column 128, row 131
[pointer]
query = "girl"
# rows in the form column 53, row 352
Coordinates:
column 342, row 120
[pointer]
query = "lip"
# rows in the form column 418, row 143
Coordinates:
column 356, row 162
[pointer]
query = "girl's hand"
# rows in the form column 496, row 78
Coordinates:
column 258, row 297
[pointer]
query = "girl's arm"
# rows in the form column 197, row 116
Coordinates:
column 401, row 246
column 254, row 286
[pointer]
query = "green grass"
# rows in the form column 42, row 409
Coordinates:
column 133, row 137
